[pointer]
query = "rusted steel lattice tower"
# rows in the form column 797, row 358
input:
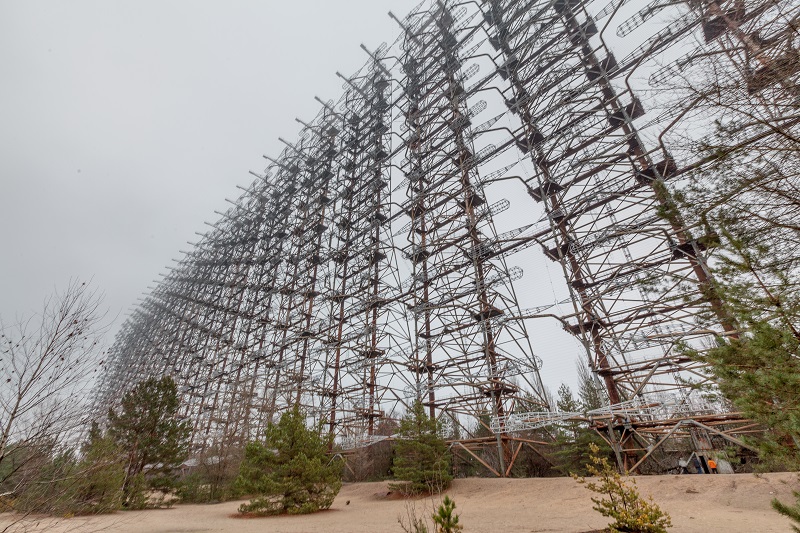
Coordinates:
column 378, row 259
column 470, row 349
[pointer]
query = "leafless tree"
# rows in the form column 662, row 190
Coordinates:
column 47, row 366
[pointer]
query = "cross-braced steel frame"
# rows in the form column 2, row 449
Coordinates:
column 365, row 269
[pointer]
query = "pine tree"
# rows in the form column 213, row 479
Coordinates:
column 757, row 280
column 422, row 460
column 147, row 431
column 573, row 437
column 742, row 201
column 792, row 512
column 291, row 471
column 566, row 403
column 102, row 474
column 445, row 520
column 760, row 371
column 622, row 502
column 590, row 396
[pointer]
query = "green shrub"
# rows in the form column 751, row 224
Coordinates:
column 291, row 471
column 200, row 487
column 194, row 489
column 61, row 484
column 631, row 512
column 101, row 475
column 213, row 478
column 422, row 460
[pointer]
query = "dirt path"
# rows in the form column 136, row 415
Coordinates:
column 698, row 504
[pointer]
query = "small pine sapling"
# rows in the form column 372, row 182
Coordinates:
column 445, row 520
column 630, row 511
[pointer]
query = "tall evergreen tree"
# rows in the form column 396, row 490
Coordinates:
column 566, row 403
column 291, row 471
column 147, row 430
column 590, row 396
column 102, row 474
column 742, row 200
column 759, row 372
column 574, row 437
column 422, row 460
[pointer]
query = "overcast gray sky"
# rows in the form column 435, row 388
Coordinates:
column 125, row 124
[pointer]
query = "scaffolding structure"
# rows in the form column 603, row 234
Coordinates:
column 366, row 267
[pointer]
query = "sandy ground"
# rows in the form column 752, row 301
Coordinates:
column 701, row 504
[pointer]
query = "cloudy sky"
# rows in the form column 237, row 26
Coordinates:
column 125, row 124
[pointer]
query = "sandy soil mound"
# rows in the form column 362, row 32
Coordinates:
column 697, row 503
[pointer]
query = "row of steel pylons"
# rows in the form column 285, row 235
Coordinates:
column 370, row 265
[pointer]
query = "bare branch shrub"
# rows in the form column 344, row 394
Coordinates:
column 47, row 365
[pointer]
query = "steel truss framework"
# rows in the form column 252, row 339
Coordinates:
column 363, row 269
